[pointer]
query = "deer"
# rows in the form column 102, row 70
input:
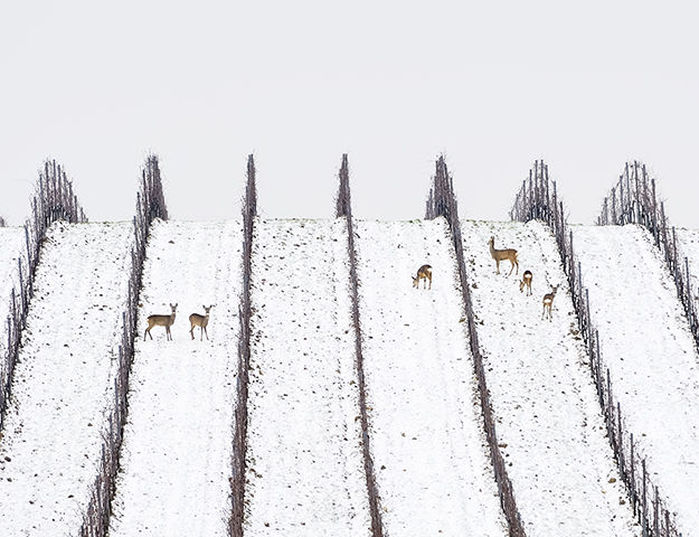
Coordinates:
column 423, row 273
column 548, row 301
column 195, row 319
column 526, row 282
column 501, row 255
column 161, row 320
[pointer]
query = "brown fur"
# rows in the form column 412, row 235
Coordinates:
column 500, row 255
column 195, row 319
column 526, row 282
column 161, row 320
column 423, row 273
column 548, row 301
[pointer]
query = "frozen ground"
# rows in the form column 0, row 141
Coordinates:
column 305, row 473
column 62, row 385
column 176, row 456
column 432, row 465
column 688, row 245
column 646, row 343
column 549, row 422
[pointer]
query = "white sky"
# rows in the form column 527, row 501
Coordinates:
column 494, row 85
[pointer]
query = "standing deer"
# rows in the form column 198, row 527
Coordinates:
column 501, row 255
column 526, row 282
column 201, row 321
column 423, row 273
column 548, row 301
column 161, row 320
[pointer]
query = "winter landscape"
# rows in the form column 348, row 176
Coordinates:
column 314, row 382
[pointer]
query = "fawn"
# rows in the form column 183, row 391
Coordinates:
column 526, row 282
column 161, row 320
column 201, row 321
column 423, row 273
column 548, row 301
column 501, row 255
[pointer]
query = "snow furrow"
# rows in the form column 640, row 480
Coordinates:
column 305, row 472
column 646, row 343
column 175, row 460
column 430, row 454
column 62, row 386
column 550, row 427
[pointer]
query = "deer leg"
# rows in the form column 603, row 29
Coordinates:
column 191, row 331
column 207, row 333
column 144, row 334
column 497, row 266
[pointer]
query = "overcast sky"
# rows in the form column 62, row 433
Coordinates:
column 493, row 85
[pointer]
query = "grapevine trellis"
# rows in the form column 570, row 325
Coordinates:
column 238, row 463
column 150, row 204
column 538, row 200
column 343, row 209
column 53, row 200
column 442, row 202
column 633, row 200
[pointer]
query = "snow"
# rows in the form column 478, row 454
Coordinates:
column 305, row 471
column 176, row 456
column 430, row 454
column 688, row 246
column 63, row 380
column 549, row 422
column 305, row 468
column 646, row 343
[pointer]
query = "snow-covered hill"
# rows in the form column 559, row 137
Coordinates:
column 176, row 456
column 646, row 343
column 304, row 461
column 549, row 422
column 305, row 468
column 688, row 244
column 432, row 466
column 63, row 380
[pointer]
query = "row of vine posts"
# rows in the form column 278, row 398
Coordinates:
column 442, row 202
column 53, row 200
column 150, row 204
column 343, row 209
column 538, row 200
column 238, row 463
column 633, row 200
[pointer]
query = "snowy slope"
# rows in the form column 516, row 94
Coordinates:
column 549, row 424
column 304, row 461
column 646, row 343
column 62, row 385
column 688, row 246
column 433, row 470
column 11, row 247
column 176, row 456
